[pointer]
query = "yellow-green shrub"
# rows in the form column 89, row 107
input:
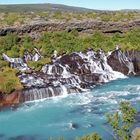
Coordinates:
column 9, row 81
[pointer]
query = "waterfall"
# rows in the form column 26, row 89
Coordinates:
column 64, row 91
column 76, row 72
column 16, row 63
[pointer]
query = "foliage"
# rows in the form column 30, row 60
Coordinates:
column 92, row 136
column 9, row 81
column 37, row 65
column 18, row 18
column 65, row 42
column 3, row 64
column 122, row 121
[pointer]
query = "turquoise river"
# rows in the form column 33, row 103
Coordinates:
column 53, row 117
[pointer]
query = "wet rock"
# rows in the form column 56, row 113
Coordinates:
column 90, row 78
column 135, row 56
column 12, row 99
column 114, row 60
column 73, row 125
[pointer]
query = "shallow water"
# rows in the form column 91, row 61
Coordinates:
column 52, row 117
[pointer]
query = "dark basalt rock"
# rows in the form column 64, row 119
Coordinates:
column 12, row 99
column 113, row 61
column 87, row 26
column 73, row 61
column 73, row 73
column 90, row 78
column 135, row 56
column 73, row 125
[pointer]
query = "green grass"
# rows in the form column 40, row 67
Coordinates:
column 19, row 18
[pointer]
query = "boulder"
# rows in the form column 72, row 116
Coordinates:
column 12, row 99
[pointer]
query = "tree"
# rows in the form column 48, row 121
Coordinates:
column 122, row 121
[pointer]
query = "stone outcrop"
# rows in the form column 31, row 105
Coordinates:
column 124, row 61
column 12, row 99
column 81, row 26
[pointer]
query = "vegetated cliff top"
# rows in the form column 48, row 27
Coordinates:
column 28, row 18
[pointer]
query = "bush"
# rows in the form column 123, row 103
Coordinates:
column 93, row 136
column 122, row 121
column 9, row 80
column 38, row 64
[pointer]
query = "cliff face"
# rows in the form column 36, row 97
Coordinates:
column 81, row 26
column 72, row 73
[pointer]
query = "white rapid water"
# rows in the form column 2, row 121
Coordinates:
column 16, row 63
column 101, row 66
column 127, row 61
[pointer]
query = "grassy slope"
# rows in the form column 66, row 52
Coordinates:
column 41, row 7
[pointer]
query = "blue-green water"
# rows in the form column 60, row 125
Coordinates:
column 51, row 117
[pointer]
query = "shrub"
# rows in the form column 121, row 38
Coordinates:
column 38, row 64
column 92, row 136
column 122, row 121
column 9, row 81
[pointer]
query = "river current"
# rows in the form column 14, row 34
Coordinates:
column 87, row 111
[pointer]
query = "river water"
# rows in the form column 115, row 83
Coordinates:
column 53, row 117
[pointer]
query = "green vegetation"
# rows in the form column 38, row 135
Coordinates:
column 122, row 121
column 63, row 42
column 16, row 15
column 15, row 46
column 9, row 81
column 92, row 136
column 37, row 65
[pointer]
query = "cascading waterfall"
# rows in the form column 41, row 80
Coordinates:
column 69, row 73
column 127, row 61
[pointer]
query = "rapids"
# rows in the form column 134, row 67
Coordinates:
column 69, row 115
column 98, row 82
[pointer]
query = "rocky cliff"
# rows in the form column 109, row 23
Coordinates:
column 81, row 26
column 71, row 73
